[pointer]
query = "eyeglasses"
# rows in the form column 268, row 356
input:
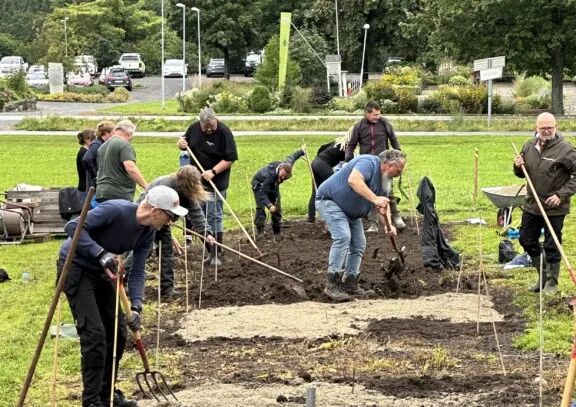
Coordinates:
column 547, row 128
column 173, row 217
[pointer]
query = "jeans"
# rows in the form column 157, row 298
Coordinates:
column 213, row 208
column 530, row 236
column 184, row 159
column 348, row 240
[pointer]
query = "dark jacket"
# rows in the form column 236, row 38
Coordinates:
column 330, row 153
column 265, row 182
column 90, row 160
column 552, row 172
column 372, row 138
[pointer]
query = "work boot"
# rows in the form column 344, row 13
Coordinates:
column 260, row 229
column 120, row 400
column 373, row 228
column 541, row 281
column 552, row 273
column 350, row 286
column 332, row 289
column 276, row 228
column 214, row 257
column 396, row 218
column 219, row 239
column 170, row 294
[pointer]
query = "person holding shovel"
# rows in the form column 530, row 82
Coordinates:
column 550, row 161
column 113, row 228
column 342, row 201
column 374, row 134
column 266, row 188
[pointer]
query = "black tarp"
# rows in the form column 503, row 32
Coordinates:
column 436, row 252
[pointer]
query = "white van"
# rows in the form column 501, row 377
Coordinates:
column 88, row 63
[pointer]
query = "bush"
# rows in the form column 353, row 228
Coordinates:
column 378, row 91
column 193, row 100
column 459, row 80
column 16, row 82
column 260, row 100
column 118, row 96
column 389, row 106
column 402, row 75
column 447, row 71
column 406, row 100
column 525, row 87
column 472, row 98
column 300, row 100
column 360, row 99
column 320, row 95
column 508, row 106
column 540, row 100
column 432, row 105
column 89, row 90
column 226, row 102
column 342, row 104
column 496, row 104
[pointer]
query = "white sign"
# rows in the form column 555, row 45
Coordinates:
column 56, row 77
column 492, row 73
column 486, row 63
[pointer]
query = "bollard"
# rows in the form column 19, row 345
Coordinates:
column 311, row 396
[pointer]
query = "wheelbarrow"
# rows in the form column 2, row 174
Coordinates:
column 505, row 199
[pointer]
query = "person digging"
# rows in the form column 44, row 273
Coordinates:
column 114, row 227
column 342, row 201
column 266, row 188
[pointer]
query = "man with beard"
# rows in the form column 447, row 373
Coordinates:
column 342, row 200
column 550, row 161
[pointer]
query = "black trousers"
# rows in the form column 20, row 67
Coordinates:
column 322, row 171
column 260, row 218
column 92, row 299
column 530, row 235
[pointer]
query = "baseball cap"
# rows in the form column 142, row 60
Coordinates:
column 165, row 198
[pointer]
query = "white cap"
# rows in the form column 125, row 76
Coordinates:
column 165, row 198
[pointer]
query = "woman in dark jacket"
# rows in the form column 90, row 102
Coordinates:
column 329, row 155
column 84, row 139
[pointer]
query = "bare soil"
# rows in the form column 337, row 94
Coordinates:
column 395, row 357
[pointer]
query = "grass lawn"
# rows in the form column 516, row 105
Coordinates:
column 50, row 161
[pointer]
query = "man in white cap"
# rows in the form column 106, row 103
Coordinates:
column 115, row 227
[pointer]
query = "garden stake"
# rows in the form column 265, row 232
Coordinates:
column 494, row 326
column 215, row 253
column 158, row 381
column 251, row 211
column 571, row 376
column 225, row 202
column 56, row 346
column 202, row 267
column 412, row 203
column 55, row 299
column 310, row 167
column 114, row 345
column 541, row 332
column 186, row 278
column 460, row 273
column 311, row 396
column 243, row 255
column 159, row 302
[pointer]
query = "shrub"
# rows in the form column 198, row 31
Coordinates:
column 226, row 102
column 193, row 100
column 90, row 90
column 388, row 106
column 342, row 104
column 360, row 99
column 118, row 96
column 496, row 104
column 459, row 80
column 506, row 106
column 402, row 75
column 471, row 99
column 406, row 100
column 525, row 87
column 540, row 100
column 320, row 95
column 285, row 96
column 447, row 71
column 260, row 100
column 300, row 101
column 378, row 91
column 16, row 82
column 432, row 105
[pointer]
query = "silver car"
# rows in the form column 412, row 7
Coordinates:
column 215, row 67
column 175, row 67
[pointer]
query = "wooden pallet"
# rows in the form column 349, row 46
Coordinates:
column 46, row 215
column 33, row 238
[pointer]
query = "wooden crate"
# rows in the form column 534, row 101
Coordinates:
column 46, row 215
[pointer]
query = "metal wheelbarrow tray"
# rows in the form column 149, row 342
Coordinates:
column 505, row 199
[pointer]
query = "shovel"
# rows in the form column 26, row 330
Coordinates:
column 397, row 263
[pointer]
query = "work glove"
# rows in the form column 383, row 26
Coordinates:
column 134, row 322
column 108, row 261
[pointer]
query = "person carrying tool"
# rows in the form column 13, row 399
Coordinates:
column 114, row 227
column 187, row 182
column 212, row 143
column 329, row 156
column 374, row 134
column 550, row 161
column 266, row 188
column 117, row 170
column 342, row 201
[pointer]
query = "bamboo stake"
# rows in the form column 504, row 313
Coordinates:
column 187, row 282
column 56, row 349
column 159, row 303
column 114, row 350
column 251, row 209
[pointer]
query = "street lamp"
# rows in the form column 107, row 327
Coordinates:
column 183, row 7
column 337, row 31
column 162, row 55
column 196, row 9
column 65, row 33
column 366, row 26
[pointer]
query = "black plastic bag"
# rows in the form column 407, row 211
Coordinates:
column 506, row 251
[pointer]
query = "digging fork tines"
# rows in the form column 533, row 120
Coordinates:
column 155, row 381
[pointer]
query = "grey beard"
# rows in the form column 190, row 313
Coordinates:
column 386, row 182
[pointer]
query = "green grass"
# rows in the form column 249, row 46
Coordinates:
column 50, row 161
column 59, row 123
column 151, row 108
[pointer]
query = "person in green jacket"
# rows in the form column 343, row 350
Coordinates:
column 550, row 161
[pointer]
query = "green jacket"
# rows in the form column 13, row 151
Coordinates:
column 551, row 171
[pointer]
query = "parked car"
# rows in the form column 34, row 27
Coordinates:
column 79, row 78
column 12, row 64
column 117, row 77
column 36, row 68
column 88, row 62
column 133, row 64
column 215, row 67
column 37, row 79
column 175, row 67
column 252, row 62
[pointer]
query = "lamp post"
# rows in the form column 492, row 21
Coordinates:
column 366, row 27
column 183, row 7
column 162, row 55
column 196, row 9
column 65, row 33
column 337, row 31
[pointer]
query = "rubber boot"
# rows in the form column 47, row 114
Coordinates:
column 552, row 273
column 208, row 257
column 396, row 218
column 350, row 286
column 219, row 239
column 540, row 283
column 214, row 258
column 332, row 289
column 373, row 221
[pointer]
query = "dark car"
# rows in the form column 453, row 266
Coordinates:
column 118, row 78
column 251, row 63
column 215, row 67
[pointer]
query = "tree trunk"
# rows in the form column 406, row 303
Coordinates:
column 226, row 63
column 557, row 85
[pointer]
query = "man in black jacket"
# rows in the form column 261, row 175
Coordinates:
column 374, row 134
column 266, row 188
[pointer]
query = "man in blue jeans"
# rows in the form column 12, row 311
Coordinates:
column 342, row 201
